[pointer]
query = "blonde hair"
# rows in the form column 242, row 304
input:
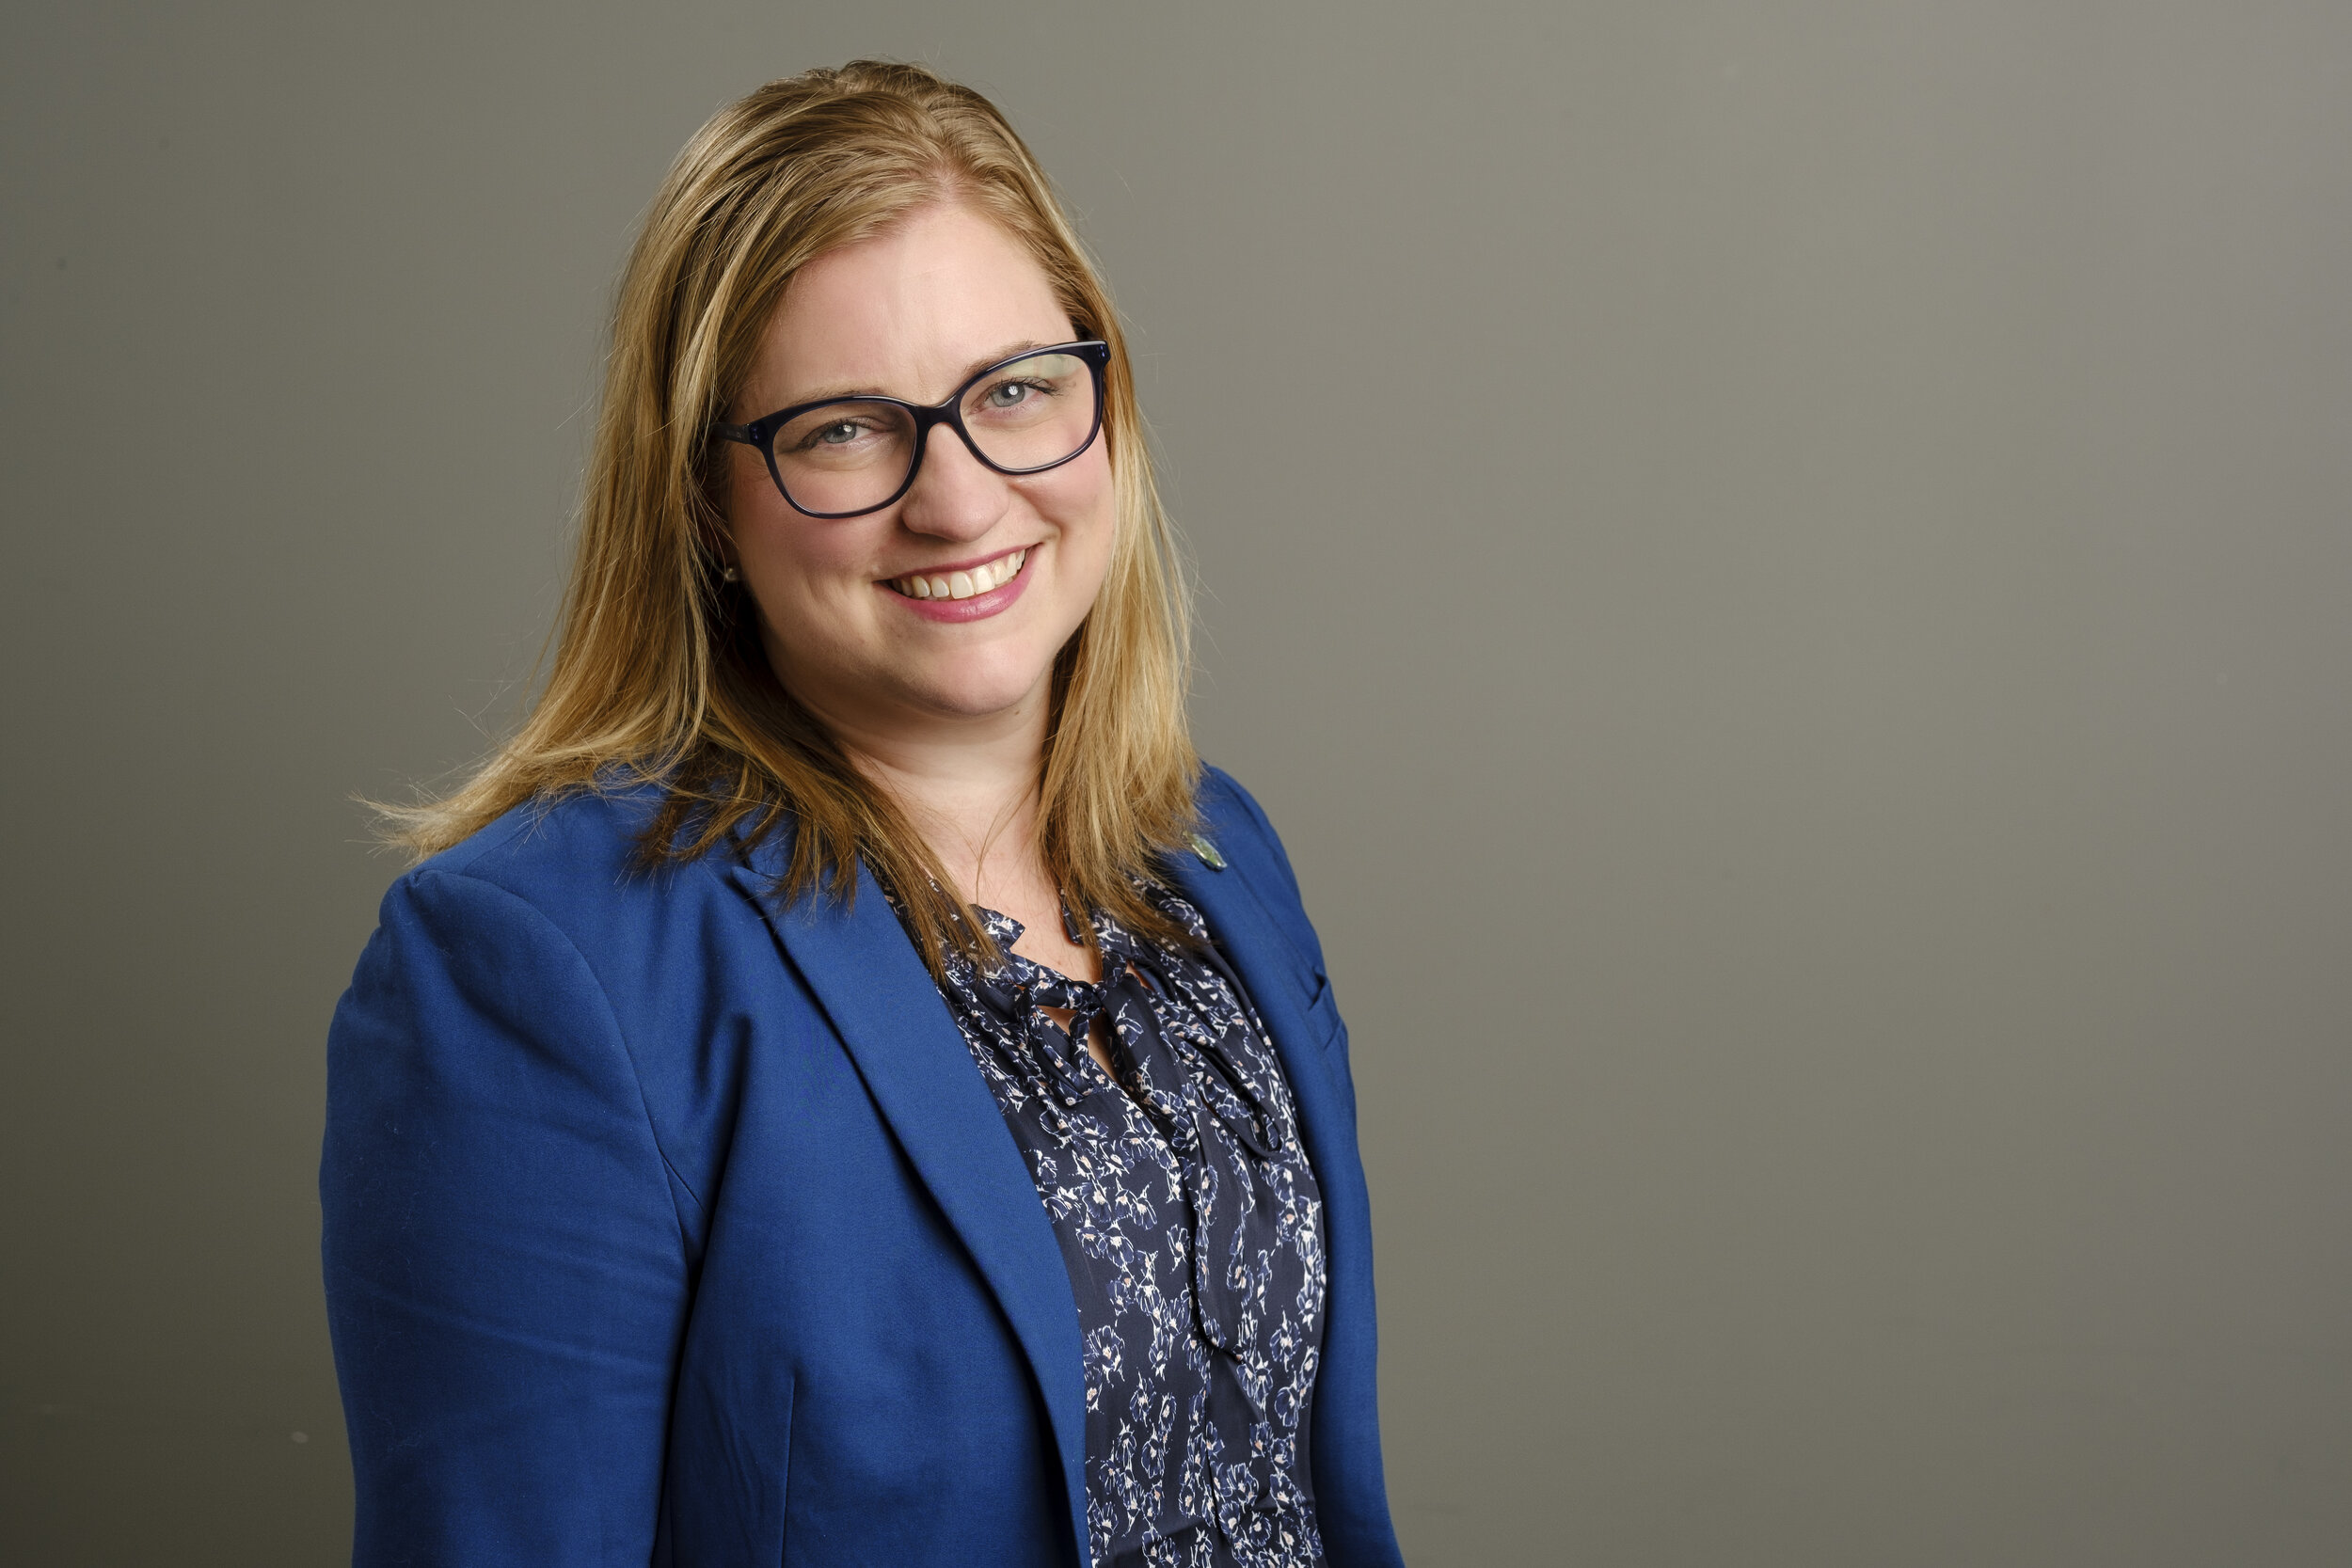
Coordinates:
column 659, row 675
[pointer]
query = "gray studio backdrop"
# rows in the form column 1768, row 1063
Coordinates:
column 1783, row 568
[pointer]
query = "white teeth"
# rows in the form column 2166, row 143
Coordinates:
column 962, row 585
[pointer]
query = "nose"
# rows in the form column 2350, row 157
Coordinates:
column 955, row 496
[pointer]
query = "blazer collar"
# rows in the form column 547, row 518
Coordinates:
column 883, row 1004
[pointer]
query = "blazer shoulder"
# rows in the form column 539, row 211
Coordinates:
column 564, row 855
column 1238, row 827
column 1234, row 823
column 559, row 894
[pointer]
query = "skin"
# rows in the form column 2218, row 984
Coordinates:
column 950, row 716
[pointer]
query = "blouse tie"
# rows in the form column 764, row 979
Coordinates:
column 1225, row 1284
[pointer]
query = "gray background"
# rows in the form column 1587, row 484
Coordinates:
column 1782, row 568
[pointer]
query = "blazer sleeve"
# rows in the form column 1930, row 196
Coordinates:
column 506, row 1279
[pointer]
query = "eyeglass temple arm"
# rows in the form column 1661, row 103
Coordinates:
column 735, row 433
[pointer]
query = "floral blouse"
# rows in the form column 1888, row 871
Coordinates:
column 1192, row 1228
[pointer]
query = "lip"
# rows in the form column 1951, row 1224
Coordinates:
column 980, row 606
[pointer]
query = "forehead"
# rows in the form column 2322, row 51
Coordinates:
column 910, row 313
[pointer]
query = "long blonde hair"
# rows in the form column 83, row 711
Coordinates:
column 658, row 674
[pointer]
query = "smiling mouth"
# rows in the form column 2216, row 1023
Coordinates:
column 964, row 584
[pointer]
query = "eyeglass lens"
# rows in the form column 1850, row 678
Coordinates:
column 846, row 457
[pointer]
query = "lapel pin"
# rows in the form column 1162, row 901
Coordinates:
column 1207, row 851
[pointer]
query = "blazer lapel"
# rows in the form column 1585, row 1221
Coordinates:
column 1346, row 1448
column 1274, row 973
column 881, row 999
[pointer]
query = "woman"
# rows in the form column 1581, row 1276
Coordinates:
column 848, row 1086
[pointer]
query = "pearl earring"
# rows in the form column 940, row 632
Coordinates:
column 730, row 574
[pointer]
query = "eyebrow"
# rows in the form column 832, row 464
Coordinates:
column 971, row 368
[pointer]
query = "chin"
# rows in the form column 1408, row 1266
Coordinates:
column 978, row 694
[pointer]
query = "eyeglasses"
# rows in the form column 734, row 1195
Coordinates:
column 844, row 457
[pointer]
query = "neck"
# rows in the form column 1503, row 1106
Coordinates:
column 969, row 786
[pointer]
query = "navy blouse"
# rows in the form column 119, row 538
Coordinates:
column 1192, row 1229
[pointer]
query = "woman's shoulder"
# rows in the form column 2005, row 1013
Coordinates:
column 1238, row 830
column 575, row 858
column 556, row 900
column 1241, row 841
column 582, row 829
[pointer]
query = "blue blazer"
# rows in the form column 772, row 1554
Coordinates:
column 663, row 1226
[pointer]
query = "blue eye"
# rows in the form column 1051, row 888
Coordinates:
column 838, row 433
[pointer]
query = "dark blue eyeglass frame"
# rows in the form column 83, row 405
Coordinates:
column 761, row 432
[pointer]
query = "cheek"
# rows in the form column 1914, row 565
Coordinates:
column 1081, row 503
column 783, row 553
